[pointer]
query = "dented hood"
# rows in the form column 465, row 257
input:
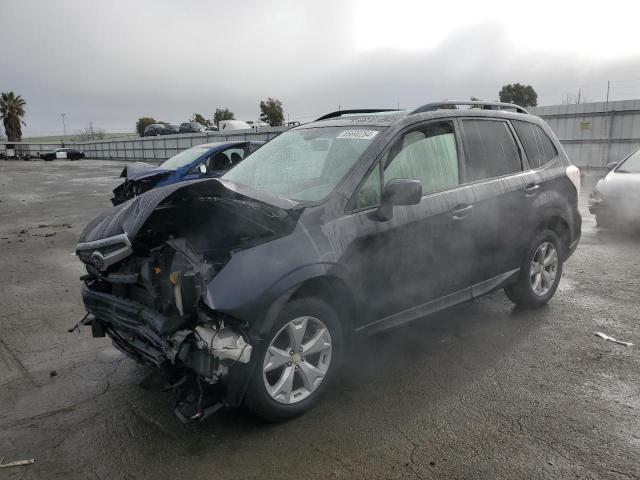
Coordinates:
column 141, row 170
column 131, row 216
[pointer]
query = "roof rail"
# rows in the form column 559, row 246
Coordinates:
column 361, row 110
column 429, row 107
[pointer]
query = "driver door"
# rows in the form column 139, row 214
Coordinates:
column 419, row 255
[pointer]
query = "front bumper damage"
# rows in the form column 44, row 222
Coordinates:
column 150, row 263
column 194, row 362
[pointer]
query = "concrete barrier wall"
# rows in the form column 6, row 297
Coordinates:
column 148, row 148
column 594, row 134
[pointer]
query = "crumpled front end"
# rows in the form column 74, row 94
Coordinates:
column 150, row 308
column 139, row 178
column 146, row 290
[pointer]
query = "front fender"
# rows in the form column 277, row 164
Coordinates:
column 259, row 305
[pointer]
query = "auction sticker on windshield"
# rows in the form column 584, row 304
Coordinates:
column 358, row 134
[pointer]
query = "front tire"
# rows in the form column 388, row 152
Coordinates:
column 540, row 271
column 297, row 361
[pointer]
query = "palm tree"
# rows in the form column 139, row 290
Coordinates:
column 11, row 112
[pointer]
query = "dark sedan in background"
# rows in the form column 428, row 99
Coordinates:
column 62, row 153
column 191, row 127
column 153, row 130
column 209, row 160
column 170, row 129
column 615, row 201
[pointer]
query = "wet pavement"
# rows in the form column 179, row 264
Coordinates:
column 481, row 391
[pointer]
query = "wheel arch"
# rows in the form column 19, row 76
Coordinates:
column 335, row 292
column 560, row 226
column 329, row 287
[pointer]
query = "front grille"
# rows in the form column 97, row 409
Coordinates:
column 106, row 252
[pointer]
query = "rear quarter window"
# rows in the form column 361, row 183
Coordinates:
column 491, row 150
column 536, row 143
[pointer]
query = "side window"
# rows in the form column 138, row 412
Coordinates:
column 490, row 148
column 537, row 144
column 369, row 193
column 235, row 155
column 219, row 161
column 428, row 154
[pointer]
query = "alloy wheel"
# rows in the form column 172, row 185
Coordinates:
column 544, row 267
column 297, row 360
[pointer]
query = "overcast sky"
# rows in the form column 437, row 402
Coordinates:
column 113, row 61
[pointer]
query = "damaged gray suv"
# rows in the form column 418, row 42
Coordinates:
column 247, row 289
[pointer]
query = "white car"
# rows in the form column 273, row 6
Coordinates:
column 255, row 124
column 226, row 125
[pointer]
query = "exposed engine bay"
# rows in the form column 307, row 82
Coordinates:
column 148, row 294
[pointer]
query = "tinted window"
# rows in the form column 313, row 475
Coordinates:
column 428, row 154
column 491, row 150
column 537, row 145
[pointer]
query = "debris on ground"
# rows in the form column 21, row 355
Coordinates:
column 53, row 373
column 611, row 339
column 17, row 463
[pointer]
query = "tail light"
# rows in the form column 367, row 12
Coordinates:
column 573, row 173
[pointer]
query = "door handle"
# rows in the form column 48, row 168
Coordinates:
column 461, row 211
column 531, row 189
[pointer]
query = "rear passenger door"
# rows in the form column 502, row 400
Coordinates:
column 540, row 154
column 494, row 167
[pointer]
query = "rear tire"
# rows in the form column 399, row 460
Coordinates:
column 284, row 385
column 540, row 271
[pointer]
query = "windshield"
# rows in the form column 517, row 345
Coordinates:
column 183, row 158
column 631, row 164
column 304, row 165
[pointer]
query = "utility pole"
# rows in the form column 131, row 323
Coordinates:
column 91, row 127
column 579, row 91
column 64, row 125
column 604, row 129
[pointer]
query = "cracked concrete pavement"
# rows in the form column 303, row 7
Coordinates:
column 479, row 391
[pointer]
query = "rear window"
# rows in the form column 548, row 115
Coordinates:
column 490, row 149
column 537, row 144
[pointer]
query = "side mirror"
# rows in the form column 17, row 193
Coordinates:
column 202, row 168
column 398, row 192
column 612, row 165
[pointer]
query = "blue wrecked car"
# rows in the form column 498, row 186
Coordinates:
column 209, row 160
